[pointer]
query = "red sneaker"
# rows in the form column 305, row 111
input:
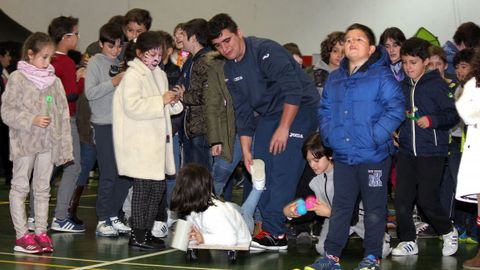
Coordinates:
column 44, row 242
column 27, row 244
column 265, row 240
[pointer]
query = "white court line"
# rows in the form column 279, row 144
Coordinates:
column 127, row 259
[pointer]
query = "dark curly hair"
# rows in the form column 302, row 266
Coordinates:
column 193, row 190
column 218, row 23
column 329, row 43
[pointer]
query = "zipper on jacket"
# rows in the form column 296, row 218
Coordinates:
column 435, row 136
column 412, row 100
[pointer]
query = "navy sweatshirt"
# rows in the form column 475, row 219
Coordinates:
column 264, row 80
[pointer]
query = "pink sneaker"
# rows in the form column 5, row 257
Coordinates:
column 27, row 244
column 44, row 242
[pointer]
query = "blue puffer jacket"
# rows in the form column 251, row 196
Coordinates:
column 430, row 96
column 359, row 112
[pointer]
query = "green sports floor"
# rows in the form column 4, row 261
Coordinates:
column 86, row 251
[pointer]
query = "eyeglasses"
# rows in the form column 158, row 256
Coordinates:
column 73, row 34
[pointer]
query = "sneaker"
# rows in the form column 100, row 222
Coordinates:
column 31, row 224
column 369, row 263
column 405, row 248
column 327, row 262
column 464, row 238
column 304, row 239
column 258, row 174
column 27, row 244
column 66, row 225
column 44, row 241
column 386, row 248
column 450, row 243
column 118, row 225
column 104, row 229
column 267, row 241
column 160, row 229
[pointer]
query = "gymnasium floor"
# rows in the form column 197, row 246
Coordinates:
column 85, row 251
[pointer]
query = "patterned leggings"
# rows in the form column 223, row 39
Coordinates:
column 146, row 197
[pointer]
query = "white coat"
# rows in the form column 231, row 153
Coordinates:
column 468, row 107
column 141, row 124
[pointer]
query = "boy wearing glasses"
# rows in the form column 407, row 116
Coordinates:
column 64, row 32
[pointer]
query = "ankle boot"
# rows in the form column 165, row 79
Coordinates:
column 156, row 242
column 74, row 202
column 139, row 239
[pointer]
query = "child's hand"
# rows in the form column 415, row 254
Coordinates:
column 423, row 122
column 290, row 210
column 42, row 121
column 180, row 89
column 196, row 235
column 322, row 209
column 80, row 73
column 170, row 97
column 117, row 78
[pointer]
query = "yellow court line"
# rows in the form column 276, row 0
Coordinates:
column 171, row 266
column 44, row 264
column 53, row 257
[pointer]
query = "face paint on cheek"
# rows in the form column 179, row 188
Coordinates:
column 151, row 58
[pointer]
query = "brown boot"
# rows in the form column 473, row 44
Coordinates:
column 74, row 202
column 473, row 263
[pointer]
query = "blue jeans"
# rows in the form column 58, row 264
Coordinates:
column 88, row 159
column 222, row 169
column 249, row 207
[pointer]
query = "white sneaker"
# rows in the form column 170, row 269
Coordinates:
column 160, row 229
column 258, row 174
column 450, row 243
column 104, row 229
column 386, row 249
column 118, row 225
column 31, row 224
column 405, row 248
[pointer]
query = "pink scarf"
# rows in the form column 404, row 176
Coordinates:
column 40, row 77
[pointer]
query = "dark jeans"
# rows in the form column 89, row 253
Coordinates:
column 370, row 181
column 449, row 182
column 420, row 178
column 112, row 188
column 197, row 150
column 282, row 170
column 87, row 161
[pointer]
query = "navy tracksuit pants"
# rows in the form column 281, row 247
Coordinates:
column 282, row 170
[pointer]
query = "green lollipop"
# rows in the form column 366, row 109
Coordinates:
column 49, row 100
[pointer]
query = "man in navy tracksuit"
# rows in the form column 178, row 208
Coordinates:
column 275, row 103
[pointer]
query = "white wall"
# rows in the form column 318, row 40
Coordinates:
column 305, row 22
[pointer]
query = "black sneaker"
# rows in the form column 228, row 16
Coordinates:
column 264, row 240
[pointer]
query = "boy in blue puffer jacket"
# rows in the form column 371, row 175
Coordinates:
column 361, row 106
column 423, row 143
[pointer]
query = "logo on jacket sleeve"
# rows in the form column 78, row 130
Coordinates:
column 374, row 178
column 266, row 56
column 296, row 135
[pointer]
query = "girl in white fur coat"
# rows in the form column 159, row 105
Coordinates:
column 142, row 134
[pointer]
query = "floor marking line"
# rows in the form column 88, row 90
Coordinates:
column 127, row 259
column 43, row 264
column 53, row 257
column 171, row 266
